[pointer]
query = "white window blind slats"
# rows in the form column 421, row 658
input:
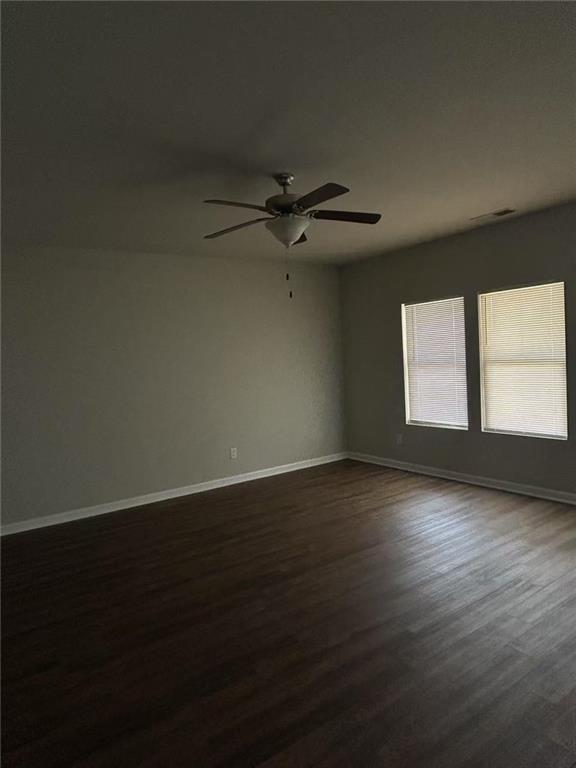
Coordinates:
column 523, row 361
column 435, row 363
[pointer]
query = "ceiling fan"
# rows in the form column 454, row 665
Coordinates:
column 289, row 215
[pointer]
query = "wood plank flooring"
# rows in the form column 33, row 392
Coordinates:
column 342, row 616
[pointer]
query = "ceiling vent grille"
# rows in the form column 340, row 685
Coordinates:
column 494, row 214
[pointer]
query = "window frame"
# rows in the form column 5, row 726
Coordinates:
column 405, row 371
column 481, row 365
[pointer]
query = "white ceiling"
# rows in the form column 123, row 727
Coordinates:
column 120, row 118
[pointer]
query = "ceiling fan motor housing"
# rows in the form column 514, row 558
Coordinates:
column 281, row 203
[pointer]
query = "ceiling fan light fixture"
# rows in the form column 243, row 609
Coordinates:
column 288, row 228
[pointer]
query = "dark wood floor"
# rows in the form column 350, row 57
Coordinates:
column 343, row 616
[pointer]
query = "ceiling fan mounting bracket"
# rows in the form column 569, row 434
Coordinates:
column 284, row 179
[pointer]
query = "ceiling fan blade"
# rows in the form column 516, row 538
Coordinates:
column 320, row 195
column 301, row 239
column 238, row 205
column 355, row 216
column 238, row 226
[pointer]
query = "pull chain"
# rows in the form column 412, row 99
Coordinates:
column 290, row 292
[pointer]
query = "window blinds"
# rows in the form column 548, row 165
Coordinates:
column 523, row 361
column 435, row 363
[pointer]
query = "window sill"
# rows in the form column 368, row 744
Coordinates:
column 523, row 434
column 437, row 426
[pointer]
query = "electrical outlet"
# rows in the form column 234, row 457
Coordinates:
column 399, row 438
column 233, row 453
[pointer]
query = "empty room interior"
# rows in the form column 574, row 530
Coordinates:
column 288, row 384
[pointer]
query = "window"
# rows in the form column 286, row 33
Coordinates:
column 435, row 363
column 523, row 361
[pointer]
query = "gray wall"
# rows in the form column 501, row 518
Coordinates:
column 129, row 374
column 530, row 249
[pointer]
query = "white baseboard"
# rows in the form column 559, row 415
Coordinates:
column 488, row 482
column 150, row 498
column 209, row 485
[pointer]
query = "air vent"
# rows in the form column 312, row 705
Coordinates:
column 494, row 214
